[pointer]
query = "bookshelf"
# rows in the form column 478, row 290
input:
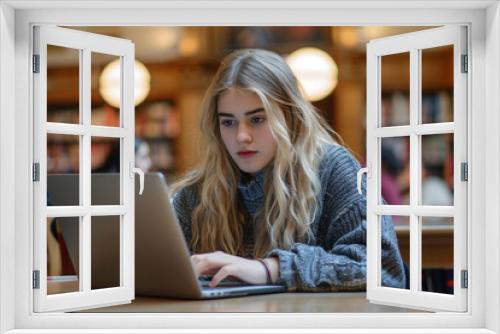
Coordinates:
column 63, row 150
column 436, row 155
column 157, row 124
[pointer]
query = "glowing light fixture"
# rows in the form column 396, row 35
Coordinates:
column 109, row 83
column 316, row 71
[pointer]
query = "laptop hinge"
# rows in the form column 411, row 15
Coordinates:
column 36, row 172
column 464, row 279
column 36, row 279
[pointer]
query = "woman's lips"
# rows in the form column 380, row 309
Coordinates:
column 246, row 154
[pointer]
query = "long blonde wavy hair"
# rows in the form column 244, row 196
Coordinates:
column 291, row 183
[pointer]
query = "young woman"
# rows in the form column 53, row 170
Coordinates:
column 274, row 199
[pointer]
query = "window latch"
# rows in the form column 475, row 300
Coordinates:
column 366, row 170
column 135, row 170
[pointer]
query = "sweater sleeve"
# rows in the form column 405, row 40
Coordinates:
column 339, row 263
column 184, row 202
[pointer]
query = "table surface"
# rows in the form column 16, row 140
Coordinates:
column 335, row 302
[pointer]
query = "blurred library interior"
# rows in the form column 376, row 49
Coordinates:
column 176, row 64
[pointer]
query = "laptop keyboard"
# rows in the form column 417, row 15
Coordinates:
column 225, row 283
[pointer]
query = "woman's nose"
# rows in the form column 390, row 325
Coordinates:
column 244, row 134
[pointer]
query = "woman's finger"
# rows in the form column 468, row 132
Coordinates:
column 221, row 274
column 210, row 272
column 203, row 267
column 206, row 263
column 210, row 262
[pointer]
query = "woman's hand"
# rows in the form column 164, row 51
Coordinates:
column 223, row 265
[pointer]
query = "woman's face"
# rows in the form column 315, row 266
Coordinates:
column 245, row 130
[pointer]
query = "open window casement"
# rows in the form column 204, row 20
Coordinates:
column 76, row 291
column 415, row 131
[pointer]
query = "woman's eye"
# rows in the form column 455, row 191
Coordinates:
column 257, row 120
column 227, row 122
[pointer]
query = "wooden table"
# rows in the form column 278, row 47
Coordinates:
column 335, row 302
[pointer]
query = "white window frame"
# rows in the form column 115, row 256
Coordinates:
column 86, row 43
column 16, row 17
column 414, row 44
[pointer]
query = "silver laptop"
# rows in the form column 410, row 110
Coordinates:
column 162, row 259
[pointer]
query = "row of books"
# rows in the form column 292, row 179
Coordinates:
column 157, row 123
column 103, row 116
column 155, row 120
column 437, row 107
column 63, row 157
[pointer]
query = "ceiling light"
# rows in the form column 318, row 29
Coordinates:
column 316, row 71
column 109, row 83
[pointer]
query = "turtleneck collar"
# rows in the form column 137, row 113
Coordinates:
column 251, row 190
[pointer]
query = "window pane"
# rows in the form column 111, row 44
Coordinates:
column 437, row 254
column 437, row 170
column 106, row 89
column 105, row 164
column 105, row 237
column 63, row 165
column 402, row 227
column 63, row 85
column 395, row 170
column 63, row 254
column 437, row 84
column 395, row 89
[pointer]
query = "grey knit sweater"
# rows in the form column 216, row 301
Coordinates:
column 336, row 259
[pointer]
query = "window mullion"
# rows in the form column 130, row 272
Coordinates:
column 415, row 165
column 107, row 131
column 421, row 210
column 127, row 118
column 85, row 174
column 460, row 104
column 40, row 155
